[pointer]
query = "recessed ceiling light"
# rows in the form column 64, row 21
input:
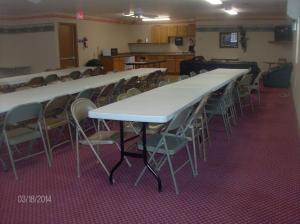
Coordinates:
column 158, row 18
column 215, row 2
column 231, row 11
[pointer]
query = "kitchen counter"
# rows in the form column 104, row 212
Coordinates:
column 128, row 54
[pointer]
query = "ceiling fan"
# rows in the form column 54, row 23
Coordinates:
column 140, row 15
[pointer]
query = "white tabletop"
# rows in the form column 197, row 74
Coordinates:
column 45, row 93
column 161, row 104
column 25, row 78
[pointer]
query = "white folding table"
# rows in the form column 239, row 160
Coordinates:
column 161, row 104
column 45, row 93
column 25, row 78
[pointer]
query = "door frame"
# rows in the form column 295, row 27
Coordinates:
column 76, row 45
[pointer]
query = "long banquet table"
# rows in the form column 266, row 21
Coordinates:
column 45, row 93
column 161, row 104
column 25, row 78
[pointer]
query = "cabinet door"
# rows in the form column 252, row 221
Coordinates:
column 182, row 30
column 191, row 30
column 172, row 30
column 163, row 35
column 171, row 65
column 155, row 34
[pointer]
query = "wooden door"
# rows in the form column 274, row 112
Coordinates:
column 67, row 36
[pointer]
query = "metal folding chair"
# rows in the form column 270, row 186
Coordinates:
column 55, row 117
column 167, row 144
column 79, row 110
column 23, row 124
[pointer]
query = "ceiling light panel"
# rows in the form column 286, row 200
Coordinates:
column 215, row 2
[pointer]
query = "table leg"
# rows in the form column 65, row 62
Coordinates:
column 122, row 152
column 136, row 155
column 144, row 137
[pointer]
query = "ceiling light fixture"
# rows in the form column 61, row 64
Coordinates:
column 231, row 11
column 158, row 18
column 215, row 2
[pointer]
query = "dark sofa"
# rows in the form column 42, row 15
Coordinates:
column 199, row 63
column 278, row 77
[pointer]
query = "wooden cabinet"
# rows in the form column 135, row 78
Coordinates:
column 172, row 30
column 182, row 30
column 159, row 34
column 191, row 30
column 112, row 63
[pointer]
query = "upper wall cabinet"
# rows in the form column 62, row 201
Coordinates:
column 161, row 33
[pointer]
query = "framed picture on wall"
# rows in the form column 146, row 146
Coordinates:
column 229, row 40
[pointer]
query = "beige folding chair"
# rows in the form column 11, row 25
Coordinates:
column 133, row 92
column 197, row 128
column 55, row 117
column 105, row 95
column 22, row 124
column 36, row 82
column 167, row 144
column 131, row 83
column 79, row 110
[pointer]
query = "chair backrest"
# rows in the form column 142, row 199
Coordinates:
column 162, row 83
column 75, row 74
column 192, row 73
column 36, row 81
column 198, row 111
column 122, row 96
column 87, row 93
column 119, row 87
column 257, row 79
column 80, row 109
column 51, row 78
column 131, row 83
column 133, row 92
column 178, row 122
column 87, row 72
column 56, row 106
column 246, row 80
column 203, row 71
column 182, row 77
column 106, row 90
column 23, row 113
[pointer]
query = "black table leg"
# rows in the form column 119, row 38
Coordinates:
column 144, row 136
column 122, row 153
column 136, row 155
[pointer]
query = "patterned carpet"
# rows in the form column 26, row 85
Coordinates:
column 253, row 178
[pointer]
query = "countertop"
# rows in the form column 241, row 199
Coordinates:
column 152, row 53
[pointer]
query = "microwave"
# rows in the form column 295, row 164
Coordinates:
column 109, row 51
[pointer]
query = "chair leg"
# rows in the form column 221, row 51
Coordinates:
column 195, row 169
column 49, row 144
column 11, row 158
column 203, row 140
column 258, row 95
column 195, row 172
column 251, row 102
column 206, row 128
column 172, row 173
column 44, row 145
column 77, row 154
column 70, row 133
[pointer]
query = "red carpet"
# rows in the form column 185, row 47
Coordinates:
column 255, row 178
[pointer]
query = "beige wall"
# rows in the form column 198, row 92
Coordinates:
column 37, row 50
column 258, row 47
column 41, row 51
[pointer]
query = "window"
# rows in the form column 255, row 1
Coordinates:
column 229, row 40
